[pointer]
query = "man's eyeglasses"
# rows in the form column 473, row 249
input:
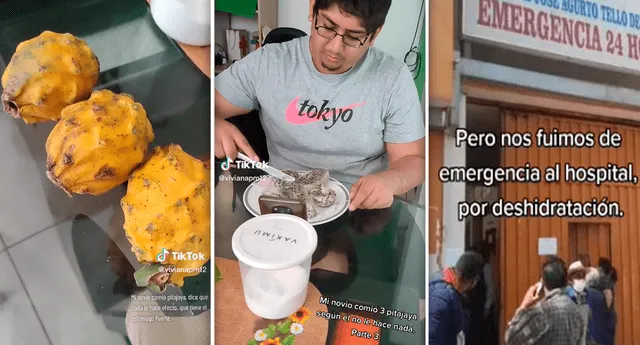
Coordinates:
column 330, row 34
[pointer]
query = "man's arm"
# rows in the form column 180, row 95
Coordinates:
column 608, row 296
column 236, row 89
column 607, row 288
column 225, row 109
column 236, row 93
column 406, row 166
column 406, row 171
column 526, row 327
column 404, row 136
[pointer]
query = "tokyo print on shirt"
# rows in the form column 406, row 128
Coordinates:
column 335, row 122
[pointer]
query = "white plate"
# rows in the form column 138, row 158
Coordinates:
column 324, row 214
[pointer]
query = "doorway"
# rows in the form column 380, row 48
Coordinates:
column 609, row 236
column 482, row 232
column 593, row 239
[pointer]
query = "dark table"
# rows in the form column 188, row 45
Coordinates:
column 369, row 257
column 74, row 266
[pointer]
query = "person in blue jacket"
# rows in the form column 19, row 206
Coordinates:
column 599, row 317
column 448, row 320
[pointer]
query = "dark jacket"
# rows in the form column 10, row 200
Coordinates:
column 600, row 326
column 447, row 317
column 476, row 328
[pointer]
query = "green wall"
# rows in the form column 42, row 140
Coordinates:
column 420, row 80
column 245, row 8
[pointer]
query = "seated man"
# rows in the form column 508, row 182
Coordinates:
column 331, row 101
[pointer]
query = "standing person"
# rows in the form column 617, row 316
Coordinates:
column 481, row 301
column 604, row 264
column 539, row 285
column 448, row 320
column 331, row 101
column 476, row 300
column 549, row 319
column 491, row 293
column 592, row 305
column 609, row 278
column 610, row 275
column 491, row 315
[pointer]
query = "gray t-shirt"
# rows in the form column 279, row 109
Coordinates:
column 335, row 122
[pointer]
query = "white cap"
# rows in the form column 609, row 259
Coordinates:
column 576, row 266
column 592, row 274
column 274, row 241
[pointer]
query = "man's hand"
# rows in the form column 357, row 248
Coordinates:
column 370, row 192
column 229, row 140
column 530, row 298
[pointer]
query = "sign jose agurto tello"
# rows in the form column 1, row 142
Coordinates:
column 605, row 32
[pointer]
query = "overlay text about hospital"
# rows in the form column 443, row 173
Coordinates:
column 601, row 173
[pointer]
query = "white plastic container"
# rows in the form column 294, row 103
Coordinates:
column 274, row 252
column 186, row 21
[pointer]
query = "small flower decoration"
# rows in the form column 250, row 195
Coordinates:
column 275, row 341
column 296, row 328
column 287, row 330
column 300, row 316
column 260, row 335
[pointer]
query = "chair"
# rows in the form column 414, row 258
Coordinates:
column 279, row 35
column 249, row 124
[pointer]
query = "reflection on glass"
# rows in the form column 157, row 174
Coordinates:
column 120, row 33
column 113, row 51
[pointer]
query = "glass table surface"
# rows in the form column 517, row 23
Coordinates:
column 66, row 264
column 369, row 257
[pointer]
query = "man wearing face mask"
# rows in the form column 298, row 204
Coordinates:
column 592, row 305
column 548, row 318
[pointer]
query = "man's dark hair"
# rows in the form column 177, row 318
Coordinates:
column 553, row 258
column 372, row 12
column 607, row 268
column 554, row 273
column 469, row 266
